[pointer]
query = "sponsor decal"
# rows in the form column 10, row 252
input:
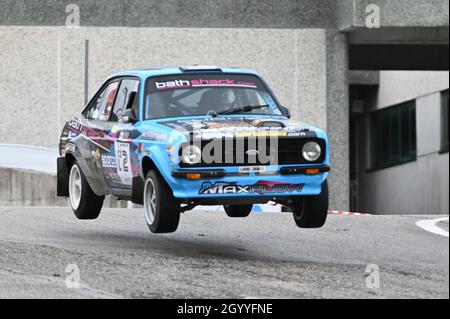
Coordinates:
column 76, row 123
column 241, row 127
column 175, row 84
column 123, row 162
column 123, row 132
column 198, row 83
column 213, row 134
column 261, row 134
column 154, row 136
column 261, row 187
column 95, row 160
column 109, row 161
column 104, row 145
column 104, row 117
column 304, row 133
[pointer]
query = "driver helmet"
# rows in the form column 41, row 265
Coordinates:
column 227, row 98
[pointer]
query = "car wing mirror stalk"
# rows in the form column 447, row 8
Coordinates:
column 129, row 116
column 286, row 112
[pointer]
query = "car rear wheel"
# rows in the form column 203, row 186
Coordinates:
column 311, row 211
column 238, row 211
column 84, row 202
column 162, row 210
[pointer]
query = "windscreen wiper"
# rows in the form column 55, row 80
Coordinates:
column 246, row 108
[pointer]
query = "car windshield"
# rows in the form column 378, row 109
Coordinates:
column 207, row 94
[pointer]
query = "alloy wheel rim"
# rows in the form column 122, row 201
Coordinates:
column 149, row 201
column 75, row 187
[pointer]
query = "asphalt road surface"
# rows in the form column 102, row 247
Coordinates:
column 213, row 256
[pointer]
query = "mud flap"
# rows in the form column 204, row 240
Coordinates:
column 62, row 178
column 137, row 190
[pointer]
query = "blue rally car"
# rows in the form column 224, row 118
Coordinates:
column 174, row 138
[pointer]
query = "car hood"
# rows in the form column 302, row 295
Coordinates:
column 229, row 127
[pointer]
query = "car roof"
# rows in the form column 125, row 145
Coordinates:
column 145, row 73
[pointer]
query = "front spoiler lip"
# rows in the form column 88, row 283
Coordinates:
column 217, row 173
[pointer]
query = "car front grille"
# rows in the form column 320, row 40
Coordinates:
column 238, row 152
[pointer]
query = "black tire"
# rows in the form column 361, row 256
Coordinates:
column 311, row 211
column 89, row 204
column 238, row 210
column 166, row 215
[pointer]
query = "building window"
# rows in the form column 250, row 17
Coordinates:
column 393, row 133
column 444, row 122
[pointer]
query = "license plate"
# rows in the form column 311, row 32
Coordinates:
column 252, row 169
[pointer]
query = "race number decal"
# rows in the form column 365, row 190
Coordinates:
column 123, row 162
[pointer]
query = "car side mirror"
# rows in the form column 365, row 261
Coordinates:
column 129, row 116
column 285, row 111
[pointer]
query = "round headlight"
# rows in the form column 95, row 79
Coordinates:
column 311, row 151
column 192, row 154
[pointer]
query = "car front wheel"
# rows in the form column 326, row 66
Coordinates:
column 84, row 202
column 162, row 210
column 311, row 211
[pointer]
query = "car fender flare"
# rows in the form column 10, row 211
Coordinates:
column 153, row 160
column 96, row 188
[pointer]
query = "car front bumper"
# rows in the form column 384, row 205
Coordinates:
column 217, row 183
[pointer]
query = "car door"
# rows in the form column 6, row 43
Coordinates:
column 121, row 164
column 97, row 130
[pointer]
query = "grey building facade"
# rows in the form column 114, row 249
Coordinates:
column 308, row 50
column 399, row 143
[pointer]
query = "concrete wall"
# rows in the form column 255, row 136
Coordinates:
column 338, row 118
column 174, row 13
column 399, row 86
column 351, row 14
column 30, row 188
column 43, row 68
column 419, row 187
column 330, row 14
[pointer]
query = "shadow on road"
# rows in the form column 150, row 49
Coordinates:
column 177, row 245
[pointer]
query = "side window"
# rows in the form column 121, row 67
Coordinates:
column 393, row 132
column 101, row 107
column 127, row 98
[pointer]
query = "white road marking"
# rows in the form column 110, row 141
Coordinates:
column 430, row 226
column 84, row 288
